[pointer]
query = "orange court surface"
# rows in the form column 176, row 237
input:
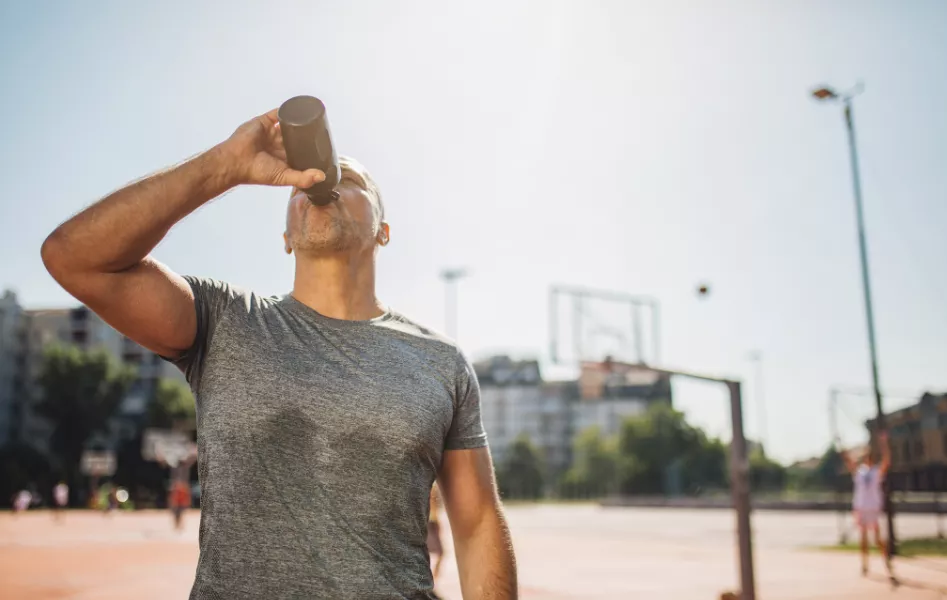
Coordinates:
column 564, row 552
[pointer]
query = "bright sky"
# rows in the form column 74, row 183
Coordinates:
column 640, row 147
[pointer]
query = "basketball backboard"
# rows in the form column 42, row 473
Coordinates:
column 591, row 325
column 97, row 463
column 167, row 446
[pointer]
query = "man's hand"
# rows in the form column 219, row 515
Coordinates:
column 255, row 155
column 101, row 256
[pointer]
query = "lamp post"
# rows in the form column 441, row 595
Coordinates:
column 450, row 277
column 827, row 94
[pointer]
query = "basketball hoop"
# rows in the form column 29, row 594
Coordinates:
column 168, row 447
column 97, row 464
column 174, row 453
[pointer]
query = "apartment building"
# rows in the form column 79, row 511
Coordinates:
column 24, row 336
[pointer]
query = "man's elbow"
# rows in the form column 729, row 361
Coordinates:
column 55, row 253
column 60, row 259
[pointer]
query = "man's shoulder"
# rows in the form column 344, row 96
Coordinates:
column 423, row 336
column 400, row 322
column 226, row 293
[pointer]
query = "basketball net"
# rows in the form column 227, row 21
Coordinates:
column 175, row 454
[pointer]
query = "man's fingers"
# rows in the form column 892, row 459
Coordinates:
column 301, row 179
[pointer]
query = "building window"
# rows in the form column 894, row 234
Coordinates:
column 501, row 417
column 919, row 449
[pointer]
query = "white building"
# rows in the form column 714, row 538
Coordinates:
column 612, row 392
column 516, row 401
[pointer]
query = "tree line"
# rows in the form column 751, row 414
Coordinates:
column 79, row 393
column 657, row 453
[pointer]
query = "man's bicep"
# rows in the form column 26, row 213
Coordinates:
column 148, row 303
column 468, row 485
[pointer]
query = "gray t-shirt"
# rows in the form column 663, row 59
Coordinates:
column 319, row 440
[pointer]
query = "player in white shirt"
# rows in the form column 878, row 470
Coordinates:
column 868, row 497
column 60, row 498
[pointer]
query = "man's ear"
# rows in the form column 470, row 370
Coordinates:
column 286, row 246
column 384, row 234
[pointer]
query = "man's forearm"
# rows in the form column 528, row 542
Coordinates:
column 118, row 231
column 486, row 561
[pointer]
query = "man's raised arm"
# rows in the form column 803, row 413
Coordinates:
column 101, row 255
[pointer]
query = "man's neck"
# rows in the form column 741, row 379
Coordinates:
column 338, row 287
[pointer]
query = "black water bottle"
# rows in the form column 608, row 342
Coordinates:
column 308, row 144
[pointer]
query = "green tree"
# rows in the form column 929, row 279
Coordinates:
column 660, row 453
column 521, row 474
column 80, row 392
column 651, row 445
column 172, row 406
column 765, row 473
column 827, row 475
column 706, row 468
column 595, row 466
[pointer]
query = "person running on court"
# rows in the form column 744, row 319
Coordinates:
column 179, row 499
column 324, row 417
column 60, row 498
column 22, row 501
column 868, row 497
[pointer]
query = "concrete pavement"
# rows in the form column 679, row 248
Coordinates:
column 564, row 552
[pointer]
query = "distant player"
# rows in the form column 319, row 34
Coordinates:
column 434, row 546
column 179, row 459
column 111, row 499
column 179, row 500
column 868, row 498
column 60, row 498
column 22, row 501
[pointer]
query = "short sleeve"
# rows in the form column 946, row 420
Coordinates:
column 212, row 298
column 466, row 430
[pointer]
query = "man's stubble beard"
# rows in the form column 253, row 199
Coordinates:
column 336, row 235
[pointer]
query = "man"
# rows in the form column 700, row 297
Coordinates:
column 323, row 417
column 868, row 497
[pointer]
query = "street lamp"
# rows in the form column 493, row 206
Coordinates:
column 450, row 277
column 827, row 94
